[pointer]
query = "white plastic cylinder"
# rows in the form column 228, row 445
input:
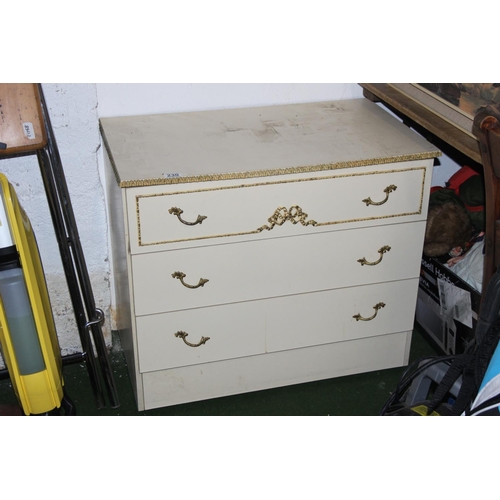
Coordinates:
column 20, row 321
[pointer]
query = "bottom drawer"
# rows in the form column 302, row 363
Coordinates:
column 236, row 376
column 281, row 323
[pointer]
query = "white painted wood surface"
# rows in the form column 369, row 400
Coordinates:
column 274, row 267
column 276, row 324
column 251, row 373
column 255, row 139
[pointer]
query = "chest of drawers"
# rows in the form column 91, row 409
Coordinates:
column 260, row 247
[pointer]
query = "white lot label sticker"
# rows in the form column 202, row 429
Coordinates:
column 29, row 131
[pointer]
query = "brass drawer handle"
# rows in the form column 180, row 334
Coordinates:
column 378, row 306
column 178, row 212
column 388, row 190
column 180, row 276
column 381, row 251
column 183, row 335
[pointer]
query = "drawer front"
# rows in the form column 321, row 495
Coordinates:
column 218, row 274
column 253, row 373
column 285, row 207
column 256, row 327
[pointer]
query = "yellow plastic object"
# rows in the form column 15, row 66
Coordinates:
column 42, row 391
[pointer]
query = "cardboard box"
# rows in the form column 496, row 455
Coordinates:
column 447, row 308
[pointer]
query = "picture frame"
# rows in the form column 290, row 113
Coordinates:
column 445, row 111
column 457, row 103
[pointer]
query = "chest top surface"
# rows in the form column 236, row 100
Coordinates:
column 255, row 142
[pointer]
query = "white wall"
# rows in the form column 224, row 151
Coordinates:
column 118, row 99
column 74, row 111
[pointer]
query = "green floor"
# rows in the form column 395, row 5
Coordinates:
column 360, row 395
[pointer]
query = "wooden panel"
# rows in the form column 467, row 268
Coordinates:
column 435, row 124
column 21, row 121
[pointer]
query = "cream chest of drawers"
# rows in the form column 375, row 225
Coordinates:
column 260, row 247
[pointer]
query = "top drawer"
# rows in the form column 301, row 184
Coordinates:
column 168, row 217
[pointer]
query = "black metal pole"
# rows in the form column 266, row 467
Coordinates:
column 62, row 200
column 71, row 278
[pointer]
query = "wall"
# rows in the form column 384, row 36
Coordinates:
column 117, row 99
column 74, row 111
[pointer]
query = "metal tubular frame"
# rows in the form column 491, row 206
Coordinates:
column 88, row 317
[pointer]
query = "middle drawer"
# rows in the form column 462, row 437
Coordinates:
column 220, row 274
column 211, row 334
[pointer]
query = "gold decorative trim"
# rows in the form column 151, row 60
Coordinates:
column 256, row 231
column 157, row 181
column 281, row 215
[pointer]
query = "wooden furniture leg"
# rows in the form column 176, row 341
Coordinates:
column 487, row 129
